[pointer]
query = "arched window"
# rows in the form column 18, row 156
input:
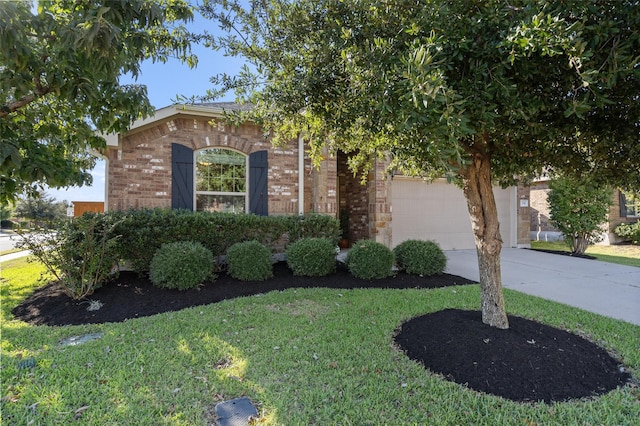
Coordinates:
column 221, row 180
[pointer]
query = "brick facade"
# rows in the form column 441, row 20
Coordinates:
column 139, row 172
column 139, row 168
column 353, row 200
column 616, row 219
column 540, row 208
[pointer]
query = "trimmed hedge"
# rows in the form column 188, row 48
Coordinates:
column 312, row 257
column 145, row 231
column 370, row 260
column 249, row 261
column 420, row 257
column 181, row 265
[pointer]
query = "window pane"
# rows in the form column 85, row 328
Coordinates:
column 220, row 170
column 220, row 203
column 633, row 204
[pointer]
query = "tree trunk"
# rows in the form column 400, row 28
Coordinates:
column 578, row 243
column 486, row 230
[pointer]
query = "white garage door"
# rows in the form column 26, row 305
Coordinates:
column 438, row 211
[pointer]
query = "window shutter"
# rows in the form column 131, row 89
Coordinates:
column 623, row 204
column 181, row 177
column 258, row 194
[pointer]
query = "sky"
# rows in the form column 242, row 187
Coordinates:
column 164, row 82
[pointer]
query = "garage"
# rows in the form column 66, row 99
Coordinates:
column 438, row 211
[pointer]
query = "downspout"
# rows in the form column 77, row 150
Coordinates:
column 300, row 174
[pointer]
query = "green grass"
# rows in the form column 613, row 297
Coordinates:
column 306, row 356
column 9, row 251
column 621, row 254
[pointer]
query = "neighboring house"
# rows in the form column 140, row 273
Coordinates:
column 622, row 210
column 82, row 207
column 187, row 156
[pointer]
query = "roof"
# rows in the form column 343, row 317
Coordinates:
column 211, row 110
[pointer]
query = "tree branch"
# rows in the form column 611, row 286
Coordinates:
column 16, row 105
column 26, row 100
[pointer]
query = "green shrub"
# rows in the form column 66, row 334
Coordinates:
column 629, row 231
column 81, row 254
column 181, row 265
column 249, row 261
column 144, row 231
column 313, row 226
column 312, row 257
column 369, row 259
column 420, row 257
column 578, row 209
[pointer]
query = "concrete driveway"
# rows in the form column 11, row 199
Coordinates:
column 604, row 288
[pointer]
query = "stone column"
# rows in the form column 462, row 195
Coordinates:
column 380, row 203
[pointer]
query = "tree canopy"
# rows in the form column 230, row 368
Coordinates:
column 476, row 91
column 60, row 69
column 41, row 209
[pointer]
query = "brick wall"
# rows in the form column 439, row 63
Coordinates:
column 354, row 200
column 139, row 169
column 615, row 219
column 539, row 211
column 324, row 186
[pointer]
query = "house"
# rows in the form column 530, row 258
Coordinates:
column 187, row 156
column 82, row 207
column 622, row 210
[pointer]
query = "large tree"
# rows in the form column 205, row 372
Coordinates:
column 60, row 70
column 43, row 209
column 476, row 91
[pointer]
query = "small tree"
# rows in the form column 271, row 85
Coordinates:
column 43, row 209
column 578, row 209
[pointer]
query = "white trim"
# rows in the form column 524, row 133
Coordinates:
column 112, row 139
column 172, row 110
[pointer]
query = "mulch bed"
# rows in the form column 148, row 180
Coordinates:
column 528, row 362
column 565, row 253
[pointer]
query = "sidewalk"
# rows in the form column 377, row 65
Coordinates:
column 7, row 242
column 15, row 255
column 604, row 288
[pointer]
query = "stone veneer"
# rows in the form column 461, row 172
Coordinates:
column 524, row 216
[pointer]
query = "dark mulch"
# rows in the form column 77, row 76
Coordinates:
column 132, row 296
column 566, row 253
column 527, row 362
column 558, row 366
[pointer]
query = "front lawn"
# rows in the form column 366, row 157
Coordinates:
column 305, row 356
column 621, row 254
